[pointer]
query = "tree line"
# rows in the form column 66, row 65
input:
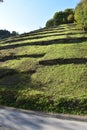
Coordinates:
column 77, row 15
column 61, row 17
column 6, row 34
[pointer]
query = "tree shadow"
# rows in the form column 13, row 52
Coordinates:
column 12, row 56
column 45, row 43
column 37, row 32
column 11, row 78
column 37, row 37
column 31, row 38
column 15, row 84
column 62, row 61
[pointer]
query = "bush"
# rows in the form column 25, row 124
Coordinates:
column 70, row 18
column 8, row 97
column 37, row 102
column 40, row 102
column 50, row 23
column 71, row 105
column 81, row 14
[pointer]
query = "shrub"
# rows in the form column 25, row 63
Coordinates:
column 81, row 14
column 50, row 23
column 70, row 18
column 8, row 97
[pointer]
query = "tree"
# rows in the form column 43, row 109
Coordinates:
column 69, row 11
column 81, row 14
column 70, row 18
column 14, row 33
column 69, row 15
column 4, row 34
column 61, row 17
column 50, row 23
column 58, row 18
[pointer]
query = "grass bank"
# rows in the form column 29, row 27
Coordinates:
column 45, row 70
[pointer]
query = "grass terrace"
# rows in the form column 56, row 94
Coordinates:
column 45, row 70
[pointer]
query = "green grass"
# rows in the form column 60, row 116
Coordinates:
column 50, row 77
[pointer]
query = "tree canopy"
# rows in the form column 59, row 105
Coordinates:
column 81, row 14
column 61, row 17
column 50, row 23
column 6, row 34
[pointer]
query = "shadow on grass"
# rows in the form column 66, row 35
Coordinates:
column 45, row 31
column 31, row 38
column 45, row 43
column 12, row 56
column 12, row 82
column 11, row 78
column 62, row 61
column 37, row 37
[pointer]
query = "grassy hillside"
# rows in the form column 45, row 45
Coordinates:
column 45, row 70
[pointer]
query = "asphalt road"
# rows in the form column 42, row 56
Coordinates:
column 19, row 120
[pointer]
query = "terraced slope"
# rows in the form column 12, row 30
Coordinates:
column 45, row 70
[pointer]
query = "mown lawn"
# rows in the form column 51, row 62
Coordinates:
column 45, row 74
